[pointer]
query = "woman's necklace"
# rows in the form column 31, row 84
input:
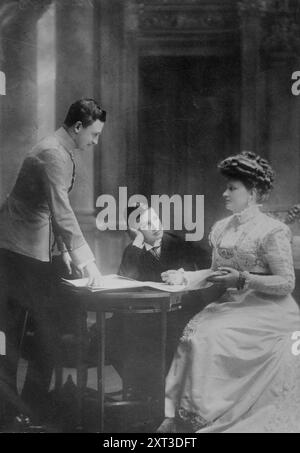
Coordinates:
column 229, row 252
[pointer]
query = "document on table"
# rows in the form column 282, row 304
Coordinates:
column 116, row 282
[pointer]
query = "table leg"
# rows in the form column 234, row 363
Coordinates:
column 101, row 368
column 162, row 375
column 81, row 367
column 127, row 358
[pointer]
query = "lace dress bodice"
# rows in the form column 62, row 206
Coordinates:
column 258, row 244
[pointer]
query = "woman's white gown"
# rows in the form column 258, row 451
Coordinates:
column 237, row 367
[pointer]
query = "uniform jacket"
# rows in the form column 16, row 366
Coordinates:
column 38, row 208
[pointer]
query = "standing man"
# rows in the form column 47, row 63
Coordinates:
column 36, row 214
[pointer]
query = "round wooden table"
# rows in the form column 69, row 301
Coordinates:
column 139, row 300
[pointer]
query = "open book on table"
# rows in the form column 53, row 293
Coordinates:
column 116, row 282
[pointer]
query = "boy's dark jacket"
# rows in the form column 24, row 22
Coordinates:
column 142, row 265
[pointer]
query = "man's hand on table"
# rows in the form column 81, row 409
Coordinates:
column 66, row 259
column 93, row 274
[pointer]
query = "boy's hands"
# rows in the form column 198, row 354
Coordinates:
column 137, row 237
column 173, row 277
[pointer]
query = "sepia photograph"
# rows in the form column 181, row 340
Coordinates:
column 149, row 218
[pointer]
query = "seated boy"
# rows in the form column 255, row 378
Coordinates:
column 153, row 250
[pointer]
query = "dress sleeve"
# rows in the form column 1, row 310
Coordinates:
column 277, row 252
column 213, row 236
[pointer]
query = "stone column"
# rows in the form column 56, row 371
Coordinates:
column 18, row 125
column 18, row 60
column 7, row 12
column 131, row 98
column 117, row 69
column 116, row 78
column 75, row 80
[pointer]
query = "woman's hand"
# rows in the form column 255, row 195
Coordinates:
column 173, row 277
column 225, row 275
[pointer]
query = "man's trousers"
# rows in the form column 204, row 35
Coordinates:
column 27, row 285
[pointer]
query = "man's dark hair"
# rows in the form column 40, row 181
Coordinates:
column 87, row 111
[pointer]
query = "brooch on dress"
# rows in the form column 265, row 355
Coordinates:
column 225, row 253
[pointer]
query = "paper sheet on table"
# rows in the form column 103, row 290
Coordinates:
column 116, row 282
column 197, row 279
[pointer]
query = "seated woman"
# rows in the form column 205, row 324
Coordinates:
column 236, row 366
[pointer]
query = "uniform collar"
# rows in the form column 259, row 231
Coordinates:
column 247, row 214
column 66, row 140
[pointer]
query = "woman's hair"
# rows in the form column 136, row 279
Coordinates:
column 85, row 110
column 252, row 170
